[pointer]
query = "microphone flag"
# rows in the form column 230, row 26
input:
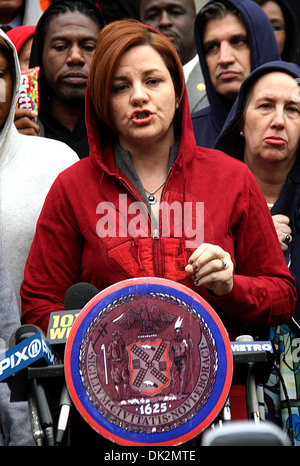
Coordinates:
column 24, row 354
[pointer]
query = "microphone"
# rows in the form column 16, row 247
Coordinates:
column 60, row 324
column 226, row 417
column 31, row 339
column 44, row 412
column 37, row 431
column 251, row 390
column 79, row 294
column 36, row 428
column 65, row 407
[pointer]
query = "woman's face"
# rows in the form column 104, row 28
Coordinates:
column 24, row 55
column 6, row 85
column 142, row 102
column 272, row 121
column 275, row 15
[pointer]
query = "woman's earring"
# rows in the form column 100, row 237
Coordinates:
column 177, row 105
column 241, row 134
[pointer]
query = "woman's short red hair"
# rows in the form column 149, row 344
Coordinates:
column 116, row 39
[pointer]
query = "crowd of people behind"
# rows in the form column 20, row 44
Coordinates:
column 213, row 99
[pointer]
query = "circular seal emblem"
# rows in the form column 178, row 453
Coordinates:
column 148, row 362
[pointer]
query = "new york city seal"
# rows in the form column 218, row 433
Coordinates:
column 152, row 367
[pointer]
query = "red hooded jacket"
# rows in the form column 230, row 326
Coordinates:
column 88, row 231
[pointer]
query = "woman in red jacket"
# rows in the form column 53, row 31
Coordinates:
column 149, row 202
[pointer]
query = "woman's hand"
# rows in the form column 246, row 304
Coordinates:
column 212, row 268
column 283, row 230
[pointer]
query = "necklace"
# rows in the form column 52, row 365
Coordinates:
column 270, row 205
column 151, row 197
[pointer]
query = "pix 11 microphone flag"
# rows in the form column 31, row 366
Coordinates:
column 148, row 362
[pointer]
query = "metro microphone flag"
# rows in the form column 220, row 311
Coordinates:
column 24, row 354
column 250, row 346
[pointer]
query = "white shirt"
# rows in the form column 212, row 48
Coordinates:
column 188, row 67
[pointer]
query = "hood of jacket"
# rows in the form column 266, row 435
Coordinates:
column 101, row 138
column 9, row 128
column 229, row 139
column 262, row 44
column 291, row 48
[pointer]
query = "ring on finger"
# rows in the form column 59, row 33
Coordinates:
column 224, row 263
column 287, row 239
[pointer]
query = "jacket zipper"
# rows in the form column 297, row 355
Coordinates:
column 155, row 234
column 156, row 238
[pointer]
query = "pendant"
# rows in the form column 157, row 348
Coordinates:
column 151, row 199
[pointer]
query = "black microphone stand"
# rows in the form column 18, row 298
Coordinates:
column 41, row 377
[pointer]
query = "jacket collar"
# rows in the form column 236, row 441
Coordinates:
column 101, row 138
